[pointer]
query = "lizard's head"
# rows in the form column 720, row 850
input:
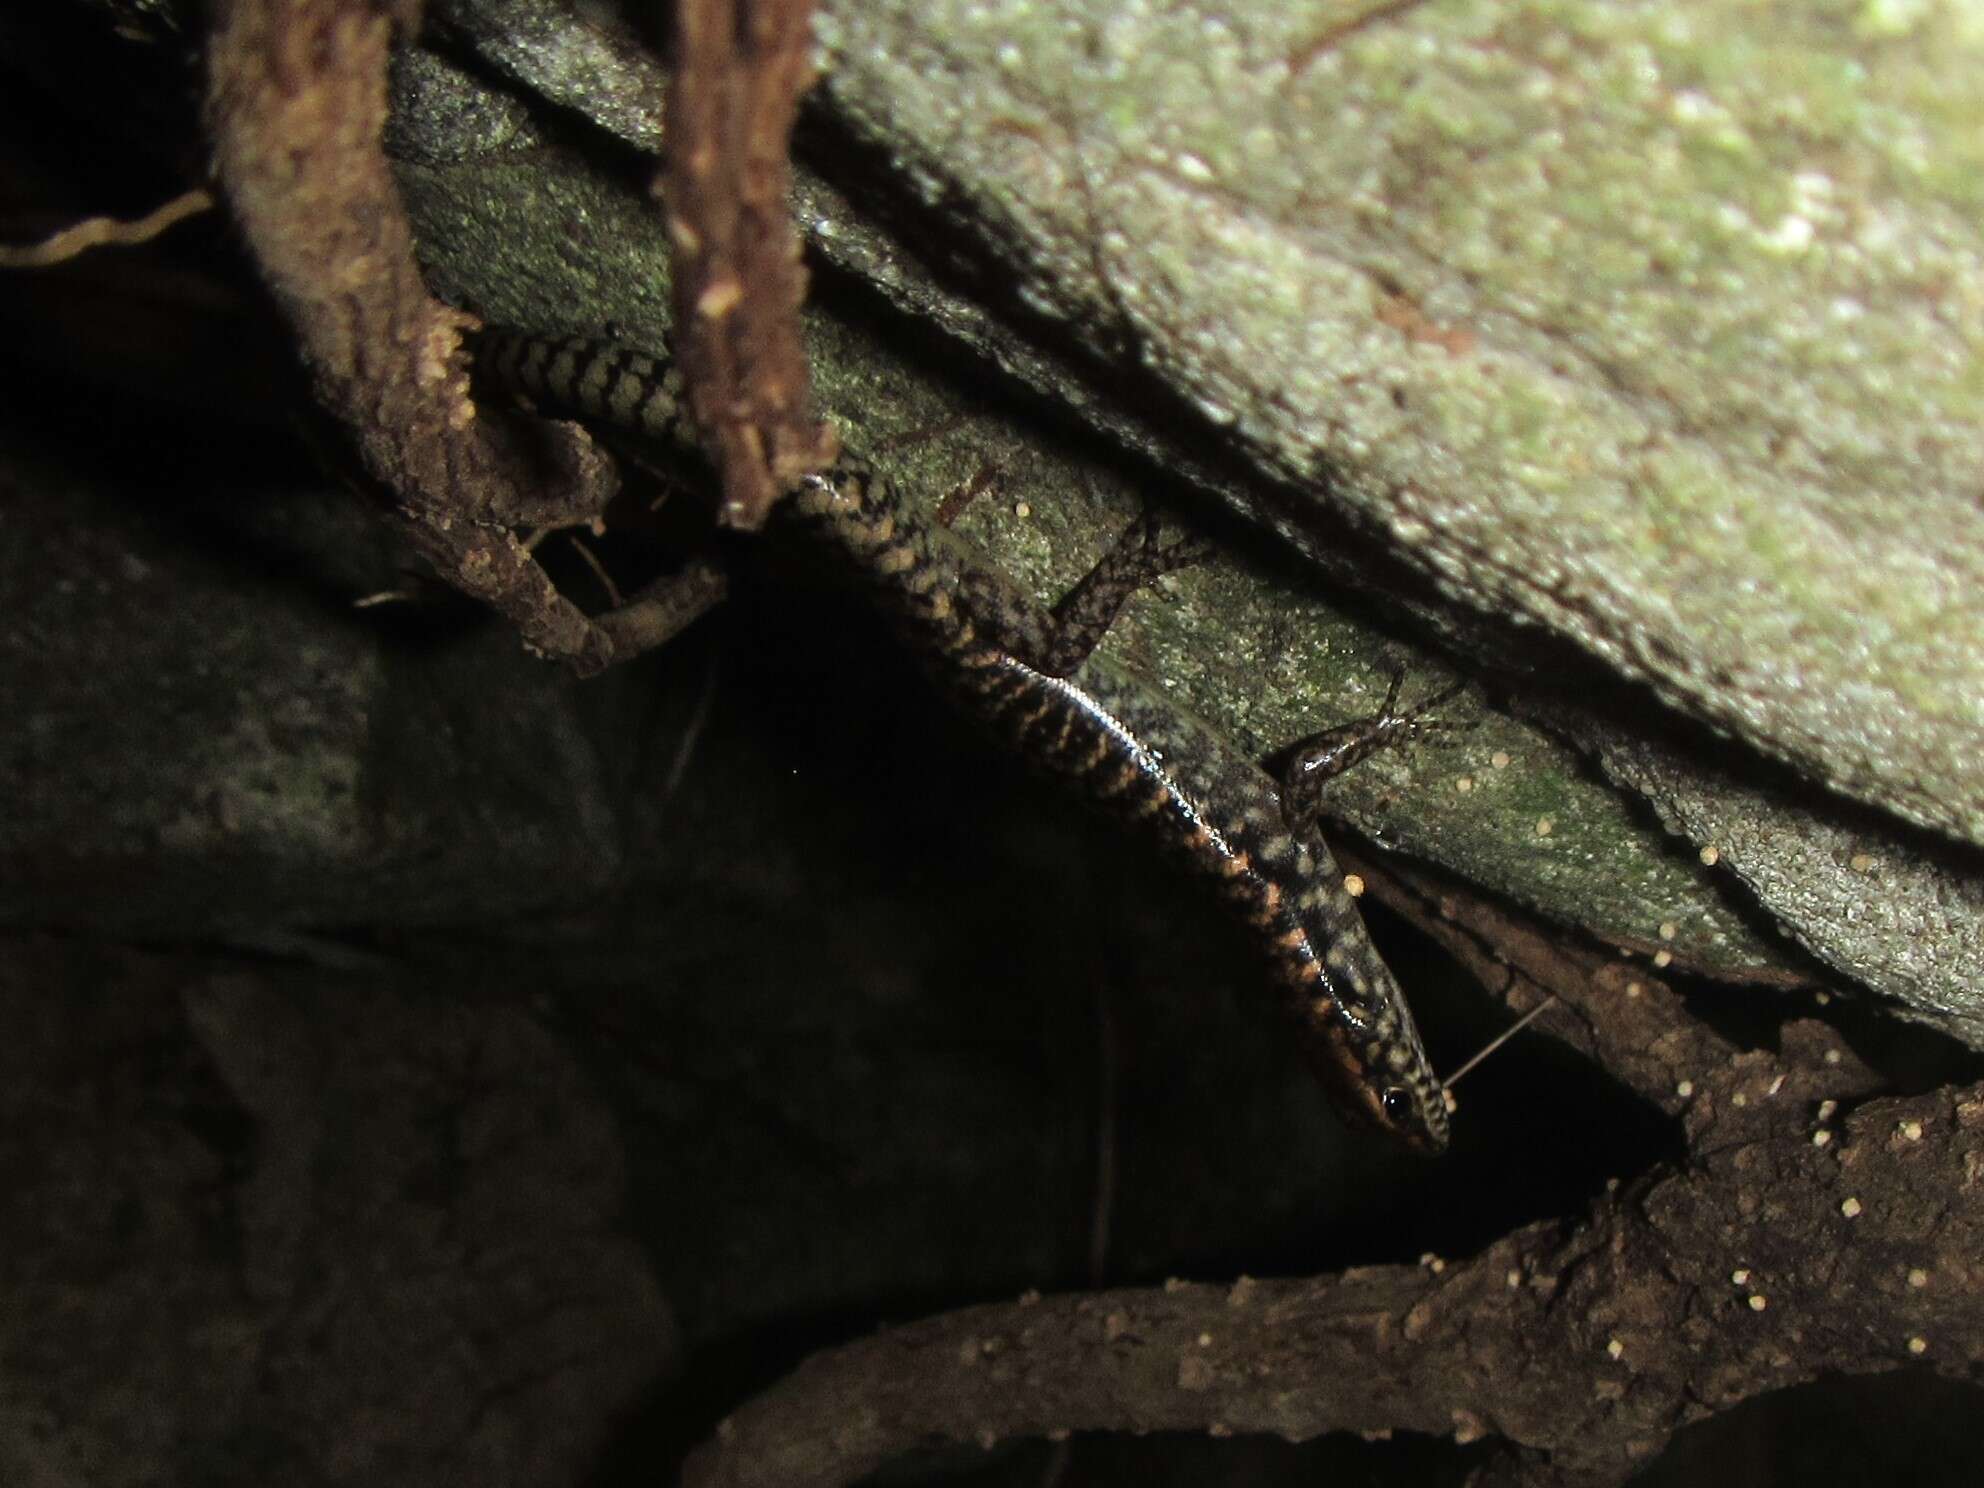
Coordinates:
column 1378, row 1070
column 1410, row 1108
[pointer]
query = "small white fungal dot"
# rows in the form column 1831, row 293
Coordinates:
column 1022, row 510
column 1668, row 929
column 1499, row 759
column 1832, row 1056
column 1464, row 784
column 1663, row 958
column 1740, row 1276
column 1822, row 1136
column 1353, row 885
column 1918, row 1345
column 1711, row 856
column 1633, row 989
column 1615, row 1348
column 1544, row 826
column 1205, row 1340
column 1861, row 863
column 1827, row 1108
column 719, row 298
column 1910, row 1131
column 1822, row 998
column 1685, row 1089
column 1739, row 1099
column 1514, row 1278
column 1850, row 1208
column 1917, row 1277
column 1758, row 1303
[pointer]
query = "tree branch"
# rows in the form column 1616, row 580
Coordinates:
column 296, row 105
column 1799, row 1238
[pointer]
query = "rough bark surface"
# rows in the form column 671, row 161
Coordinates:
column 1653, row 325
column 740, row 70
column 296, row 105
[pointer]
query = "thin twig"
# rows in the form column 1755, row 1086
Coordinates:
column 1498, row 1040
column 599, row 572
column 100, row 232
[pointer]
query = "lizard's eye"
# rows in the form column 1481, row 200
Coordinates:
column 1396, row 1103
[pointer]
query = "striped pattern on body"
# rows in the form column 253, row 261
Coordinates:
column 1113, row 736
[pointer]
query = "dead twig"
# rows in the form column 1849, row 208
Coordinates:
column 99, row 232
column 740, row 69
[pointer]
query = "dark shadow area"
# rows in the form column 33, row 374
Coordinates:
column 1910, row 1429
column 1174, row 1460
column 1226, row 1158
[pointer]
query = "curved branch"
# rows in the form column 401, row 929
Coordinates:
column 296, row 105
column 1795, row 1241
column 1774, row 1262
